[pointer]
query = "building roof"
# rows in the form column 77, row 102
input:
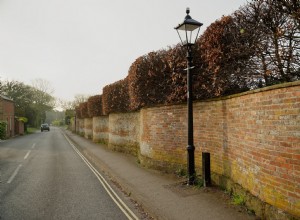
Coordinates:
column 6, row 98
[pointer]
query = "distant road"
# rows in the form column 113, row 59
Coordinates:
column 43, row 177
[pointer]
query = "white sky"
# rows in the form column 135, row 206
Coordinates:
column 80, row 46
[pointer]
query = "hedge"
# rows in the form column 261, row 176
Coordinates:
column 94, row 105
column 221, row 59
column 115, row 97
column 2, row 130
column 78, row 112
column 83, row 110
column 149, row 80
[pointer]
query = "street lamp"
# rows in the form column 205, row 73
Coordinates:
column 188, row 32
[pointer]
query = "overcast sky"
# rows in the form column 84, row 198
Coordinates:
column 80, row 46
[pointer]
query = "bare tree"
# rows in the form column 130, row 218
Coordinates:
column 291, row 8
column 42, row 85
column 276, row 35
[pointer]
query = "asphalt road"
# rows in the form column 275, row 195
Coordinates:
column 43, row 177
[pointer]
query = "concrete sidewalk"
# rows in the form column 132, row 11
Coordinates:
column 162, row 196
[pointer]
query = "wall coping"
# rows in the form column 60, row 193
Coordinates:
column 264, row 89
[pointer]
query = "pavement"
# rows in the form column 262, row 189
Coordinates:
column 158, row 195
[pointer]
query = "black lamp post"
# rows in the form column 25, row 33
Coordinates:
column 188, row 32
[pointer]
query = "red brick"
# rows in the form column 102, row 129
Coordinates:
column 257, row 132
column 7, row 114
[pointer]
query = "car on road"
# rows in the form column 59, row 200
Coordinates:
column 45, row 127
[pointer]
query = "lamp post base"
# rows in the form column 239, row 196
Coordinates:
column 191, row 164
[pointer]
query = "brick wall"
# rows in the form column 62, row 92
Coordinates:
column 163, row 137
column 124, row 130
column 253, row 139
column 100, row 129
column 263, row 137
column 88, row 128
column 80, row 126
column 7, row 114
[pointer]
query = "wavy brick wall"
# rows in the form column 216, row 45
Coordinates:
column 253, row 138
column 80, row 126
column 163, row 137
column 88, row 128
column 100, row 129
column 124, row 132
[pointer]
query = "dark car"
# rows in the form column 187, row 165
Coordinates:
column 45, row 127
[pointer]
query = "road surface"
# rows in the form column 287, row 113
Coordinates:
column 43, row 176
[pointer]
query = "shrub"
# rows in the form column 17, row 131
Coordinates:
column 223, row 53
column 78, row 112
column 177, row 61
column 228, row 58
column 149, row 80
column 83, row 110
column 2, row 130
column 94, row 105
column 115, row 97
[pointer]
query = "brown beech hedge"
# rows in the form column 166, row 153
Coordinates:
column 83, row 110
column 115, row 97
column 234, row 54
column 149, row 80
column 78, row 112
column 94, row 105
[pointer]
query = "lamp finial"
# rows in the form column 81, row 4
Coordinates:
column 187, row 10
